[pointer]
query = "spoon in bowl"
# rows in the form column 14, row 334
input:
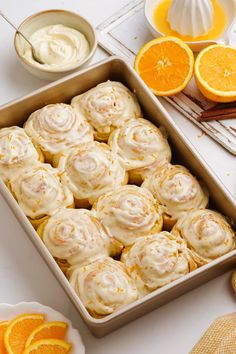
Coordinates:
column 36, row 58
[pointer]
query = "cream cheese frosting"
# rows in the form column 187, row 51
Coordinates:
column 107, row 106
column 139, row 144
column 207, row 233
column 103, row 286
column 58, row 47
column 174, row 187
column 91, row 170
column 155, row 261
column 57, row 127
column 16, row 151
column 39, row 191
column 77, row 236
column 128, row 213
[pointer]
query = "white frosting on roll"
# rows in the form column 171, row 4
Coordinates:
column 107, row 106
column 58, row 47
column 77, row 236
column 57, row 127
column 177, row 190
column 129, row 213
column 207, row 234
column 155, row 261
column 91, row 170
column 39, row 191
column 103, row 286
column 16, row 151
column 140, row 145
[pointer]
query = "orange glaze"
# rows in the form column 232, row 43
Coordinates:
column 219, row 25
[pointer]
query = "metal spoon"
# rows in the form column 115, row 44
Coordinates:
column 36, row 58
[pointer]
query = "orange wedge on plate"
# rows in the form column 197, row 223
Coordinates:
column 166, row 65
column 49, row 330
column 18, row 331
column 215, row 73
column 48, row 346
column 3, row 326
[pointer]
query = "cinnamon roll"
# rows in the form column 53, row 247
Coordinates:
column 140, row 147
column 91, row 170
column 207, row 233
column 40, row 192
column 77, row 236
column 107, row 106
column 16, row 151
column 156, row 260
column 128, row 213
column 57, row 127
column 177, row 190
column 103, row 286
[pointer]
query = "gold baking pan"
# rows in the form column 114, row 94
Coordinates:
column 16, row 112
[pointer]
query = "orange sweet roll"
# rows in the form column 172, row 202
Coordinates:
column 76, row 237
column 104, row 286
column 40, row 192
column 91, row 170
column 107, row 106
column 58, row 127
column 128, row 213
column 207, row 234
column 177, row 190
column 140, row 147
column 16, row 152
column 156, row 260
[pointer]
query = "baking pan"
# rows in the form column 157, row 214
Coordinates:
column 114, row 68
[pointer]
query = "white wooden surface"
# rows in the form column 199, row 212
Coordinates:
column 172, row 329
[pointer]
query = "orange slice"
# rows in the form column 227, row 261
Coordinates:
column 3, row 326
column 18, row 331
column 166, row 65
column 48, row 346
column 215, row 73
column 49, row 330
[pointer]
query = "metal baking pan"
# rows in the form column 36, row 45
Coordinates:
column 16, row 112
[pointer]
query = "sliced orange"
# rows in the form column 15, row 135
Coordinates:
column 49, row 330
column 215, row 73
column 3, row 326
column 18, row 331
column 166, row 65
column 48, row 346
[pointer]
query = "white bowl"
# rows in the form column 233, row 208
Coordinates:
column 8, row 312
column 229, row 7
column 53, row 17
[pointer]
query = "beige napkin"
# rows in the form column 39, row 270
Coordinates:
column 220, row 338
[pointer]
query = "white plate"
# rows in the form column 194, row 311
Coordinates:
column 8, row 312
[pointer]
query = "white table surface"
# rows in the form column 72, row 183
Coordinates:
column 175, row 327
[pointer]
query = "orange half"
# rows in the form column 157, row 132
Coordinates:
column 215, row 73
column 3, row 326
column 18, row 331
column 48, row 346
column 166, row 65
column 49, row 330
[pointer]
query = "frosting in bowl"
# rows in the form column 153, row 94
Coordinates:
column 59, row 47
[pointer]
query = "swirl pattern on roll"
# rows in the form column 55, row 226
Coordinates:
column 174, row 187
column 128, row 213
column 77, row 236
column 57, row 127
column 103, row 286
column 207, row 233
column 140, row 145
column 91, row 170
column 155, row 261
column 107, row 106
column 39, row 191
column 16, row 151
